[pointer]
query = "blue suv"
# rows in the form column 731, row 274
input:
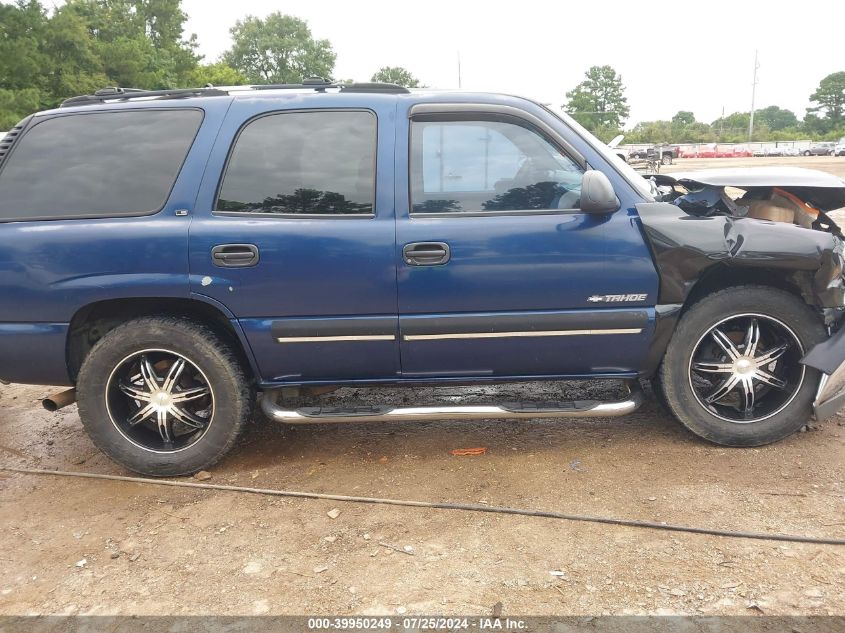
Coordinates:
column 172, row 254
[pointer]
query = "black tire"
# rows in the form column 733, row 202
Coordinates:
column 676, row 371
column 229, row 390
column 667, row 159
column 806, row 153
column 657, row 390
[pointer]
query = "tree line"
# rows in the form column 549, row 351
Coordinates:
column 84, row 45
column 599, row 104
column 47, row 56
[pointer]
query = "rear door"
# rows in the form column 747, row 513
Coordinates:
column 92, row 208
column 294, row 235
column 500, row 274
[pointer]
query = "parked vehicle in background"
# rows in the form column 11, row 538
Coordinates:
column 667, row 153
column 781, row 150
column 161, row 255
column 825, row 148
column 839, row 150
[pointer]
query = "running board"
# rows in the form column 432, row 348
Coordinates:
column 506, row 410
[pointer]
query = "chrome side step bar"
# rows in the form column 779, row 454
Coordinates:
column 508, row 410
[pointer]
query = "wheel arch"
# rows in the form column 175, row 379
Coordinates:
column 722, row 276
column 94, row 320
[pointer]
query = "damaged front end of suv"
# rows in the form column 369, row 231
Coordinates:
column 768, row 224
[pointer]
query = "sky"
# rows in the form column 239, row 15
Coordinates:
column 692, row 55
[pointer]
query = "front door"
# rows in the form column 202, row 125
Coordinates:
column 500, row 274
column 294, row 235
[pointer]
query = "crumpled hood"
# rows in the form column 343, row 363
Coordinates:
column 821, row 189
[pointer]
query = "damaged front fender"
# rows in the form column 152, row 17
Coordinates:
column 687, row 247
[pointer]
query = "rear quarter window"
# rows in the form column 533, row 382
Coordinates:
column 98, row 164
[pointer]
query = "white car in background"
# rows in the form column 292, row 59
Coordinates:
column 839, row 149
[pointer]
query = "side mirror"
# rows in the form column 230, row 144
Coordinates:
column 597, row 195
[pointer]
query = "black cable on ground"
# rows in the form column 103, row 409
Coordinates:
column 467, row 507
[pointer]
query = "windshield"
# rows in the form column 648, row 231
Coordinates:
column 629, row 173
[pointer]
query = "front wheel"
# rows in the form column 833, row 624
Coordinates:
column 667, row 159
column 731, row 373
column 163, row 396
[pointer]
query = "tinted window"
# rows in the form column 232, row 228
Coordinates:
column 97, row 164
column 488, row 166
column 303, row 162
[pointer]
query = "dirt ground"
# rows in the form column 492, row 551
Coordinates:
column 71, row 546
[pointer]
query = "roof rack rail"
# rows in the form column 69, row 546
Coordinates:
column 320, row 85
column 375, row 87
column 312, row 83
column 124, row 94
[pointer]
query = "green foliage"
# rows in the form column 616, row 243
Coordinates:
column 17, row 104
column 830, row 97
column 771, row 123
column 683, row 118
column 22, row 29
column 85, row 45
column 599, row 101
column 138, row 42
column 795, row 133
column 278, row 49
column 678, row 130
column 606, row 133
column 775, row 118
column 219, row 74
column 733, row 123
column 396, row 75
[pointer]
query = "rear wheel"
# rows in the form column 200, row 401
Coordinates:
column 806, row 153
column 731, row 373
column 163, row 396
column 667, row 159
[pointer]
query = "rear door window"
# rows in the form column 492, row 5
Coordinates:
column 303, row 163
column 98, row 164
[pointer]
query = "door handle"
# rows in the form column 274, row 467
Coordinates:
column 426, row 253
column 235, row 255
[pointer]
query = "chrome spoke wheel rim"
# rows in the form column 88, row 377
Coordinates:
column 746, row 368
column 160, row 400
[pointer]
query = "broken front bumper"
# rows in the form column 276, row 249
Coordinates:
column 829, row 358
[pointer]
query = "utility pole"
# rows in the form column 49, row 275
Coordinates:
column 753, row 91
column 459, row 70
column 722, row 123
